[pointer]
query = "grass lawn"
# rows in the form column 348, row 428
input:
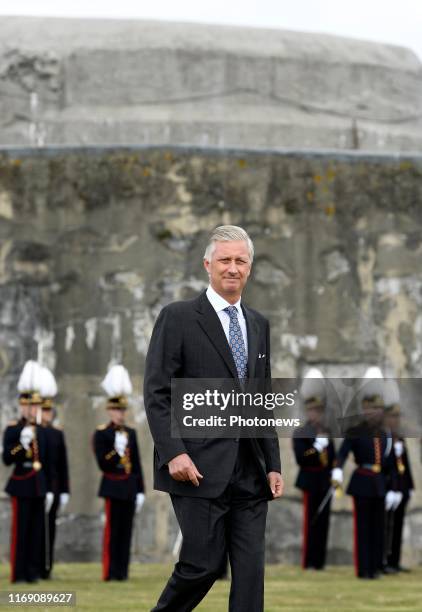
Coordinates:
column 287, row 588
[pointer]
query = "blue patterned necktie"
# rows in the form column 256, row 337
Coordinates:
column 237, row 343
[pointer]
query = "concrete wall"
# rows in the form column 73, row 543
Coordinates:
column 69, row 81
column 94, row 242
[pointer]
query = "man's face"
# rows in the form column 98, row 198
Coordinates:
column 229, row 268
column 392, row 421
column 47, row 416
column 117, row 416
column 315, row 415
column 33, row 412
column 24, row 408
column 373, row 413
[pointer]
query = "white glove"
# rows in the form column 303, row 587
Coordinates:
column 120, row 443
column 397, row 501
column 398, row 448
column 337, row 476
column 390, row 498
column 26, row 437
column 321, row 443
column 140, row 499
column 49, row 498
column 64, row 500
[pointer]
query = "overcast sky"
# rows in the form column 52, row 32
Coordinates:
column 398, row 22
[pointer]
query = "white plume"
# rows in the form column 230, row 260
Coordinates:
column 373, row 372
column 373, row 383
column 314, row 373
column 48, row 385
column 391, row 392
column 313, row 384
column 117, row 382
column 29, row 380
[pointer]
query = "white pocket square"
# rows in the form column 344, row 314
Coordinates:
column 261, row 356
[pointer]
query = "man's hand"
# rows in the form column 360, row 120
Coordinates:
column 337, row 477
column 48, row 502
column 182, row 468
column 321, row 442
column 64, row 500
column 139, row 502
column 26, row 437
column 120, row 442
column 276, row 484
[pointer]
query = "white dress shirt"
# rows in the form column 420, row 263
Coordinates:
column 219, row 304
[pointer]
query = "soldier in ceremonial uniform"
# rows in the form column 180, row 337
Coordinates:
column 315, row 453
column 122, row 484
column 402, row 475
column 25, row 447
column 59, row 470
column 372, row 450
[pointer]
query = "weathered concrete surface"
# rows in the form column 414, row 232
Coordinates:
column 94, row 242
column 66, row 81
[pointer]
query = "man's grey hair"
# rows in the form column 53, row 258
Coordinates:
column 227, row 233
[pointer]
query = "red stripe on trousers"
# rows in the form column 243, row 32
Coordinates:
column 355, row 539
column 13, row 539
column 305, row 527
column 106, row 540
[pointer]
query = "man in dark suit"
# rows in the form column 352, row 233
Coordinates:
column 219, row 487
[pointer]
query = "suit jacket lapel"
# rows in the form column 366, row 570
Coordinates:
column 211, row 325
column 253, row 334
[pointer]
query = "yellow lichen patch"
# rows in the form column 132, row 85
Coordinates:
column 330, row 210
column 146, row 172
column 168, row 156
column 317, row 178
column 242, row 163
column 15, row 162
column 310, row 196
column 330, row 175
column 405, row 165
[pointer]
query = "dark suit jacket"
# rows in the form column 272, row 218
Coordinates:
column 116, row 483
column 188, row 341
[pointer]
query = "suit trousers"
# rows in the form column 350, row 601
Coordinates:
column 233, row 524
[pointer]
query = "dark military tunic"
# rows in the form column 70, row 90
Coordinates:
column 121, row 481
